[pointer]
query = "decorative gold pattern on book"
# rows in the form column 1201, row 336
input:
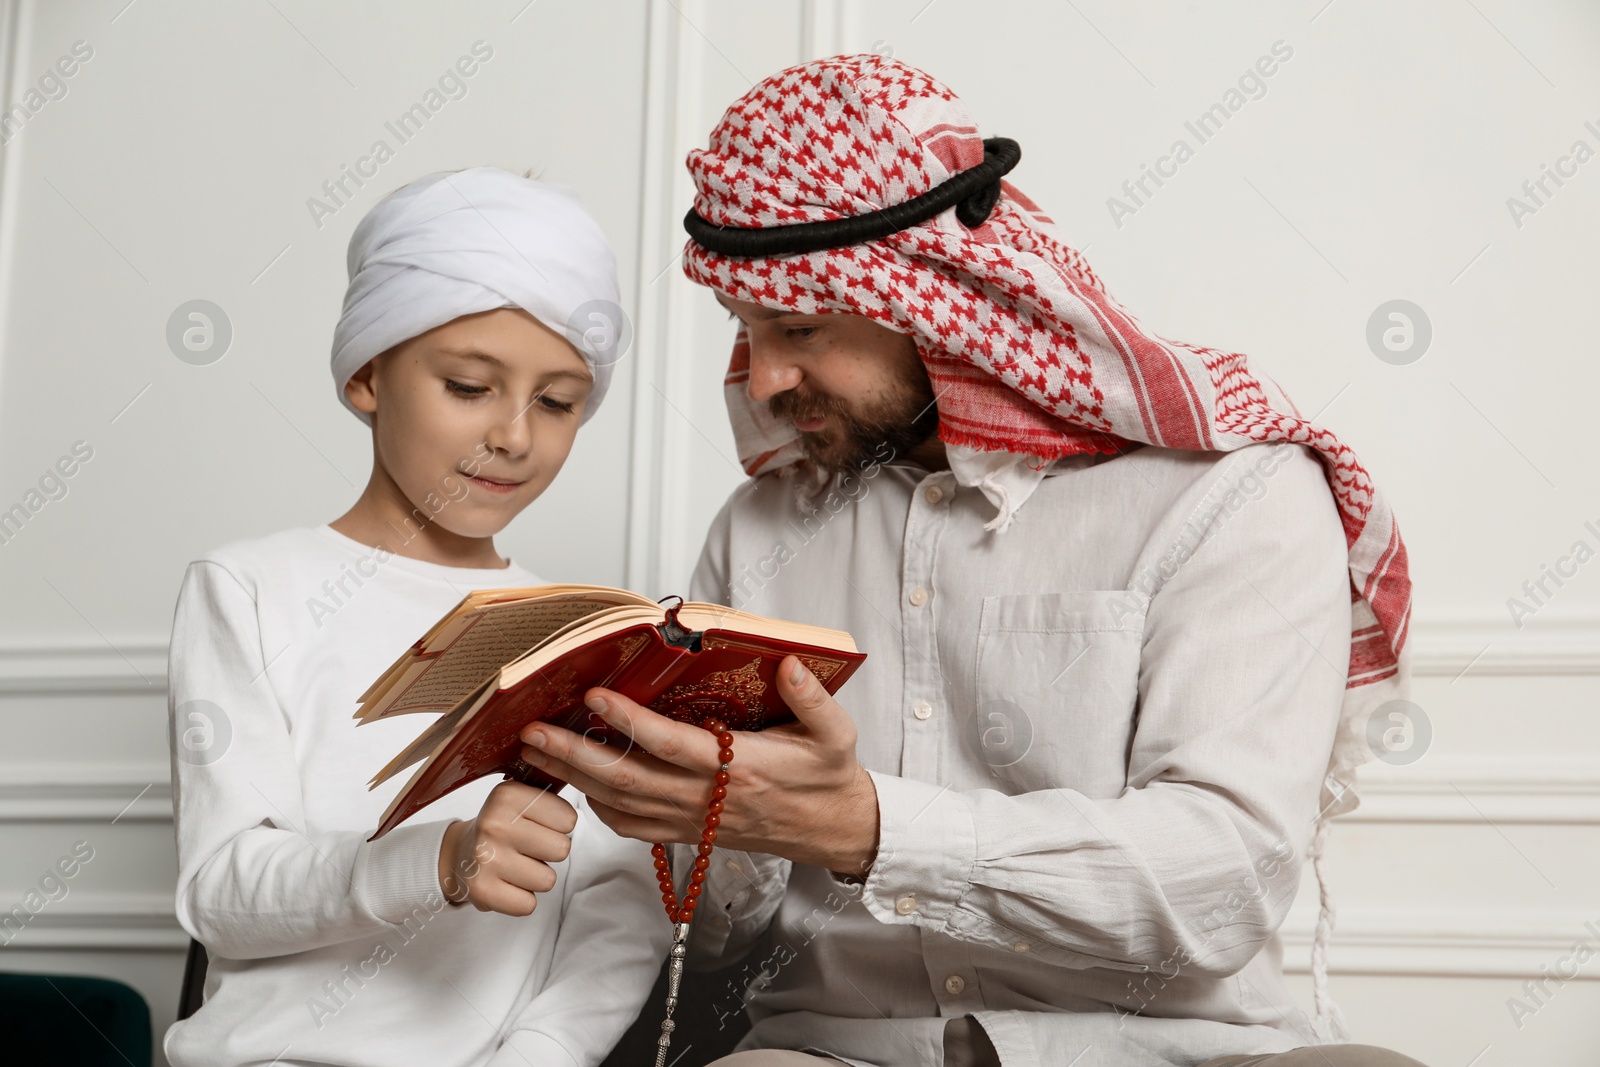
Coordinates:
column 560, row 687
column 824, row 669
column 628, row 646
column 551, row 691
column 732, row 695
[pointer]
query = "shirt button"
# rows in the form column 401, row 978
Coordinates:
column 918, row 597
column 954, row 985
column 934, row 494
column 922, row 710
column 1021, row 946
column 905, row 905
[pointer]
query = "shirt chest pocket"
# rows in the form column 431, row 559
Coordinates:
column 1058, row 687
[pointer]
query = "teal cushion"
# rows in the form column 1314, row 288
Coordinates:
column 72, row 1021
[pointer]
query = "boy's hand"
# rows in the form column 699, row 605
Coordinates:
column 500, row 860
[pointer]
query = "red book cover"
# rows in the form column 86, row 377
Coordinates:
column 691, row 677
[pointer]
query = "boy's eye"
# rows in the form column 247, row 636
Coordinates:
column 557, row 405
column 465, row 390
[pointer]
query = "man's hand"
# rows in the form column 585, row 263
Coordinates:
column 500, row 860
column 795, row 791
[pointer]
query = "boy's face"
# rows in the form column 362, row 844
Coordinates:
column 478, row 414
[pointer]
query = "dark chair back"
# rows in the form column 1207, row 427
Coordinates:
column 193, row 992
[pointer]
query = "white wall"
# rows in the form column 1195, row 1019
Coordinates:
column 1376, row 166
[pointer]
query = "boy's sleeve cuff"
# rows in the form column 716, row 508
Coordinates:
column 399, row 872
column 927, row 847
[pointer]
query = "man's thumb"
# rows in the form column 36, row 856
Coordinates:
column 813, row 705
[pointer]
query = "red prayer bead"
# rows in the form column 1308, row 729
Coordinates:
column 682, row 912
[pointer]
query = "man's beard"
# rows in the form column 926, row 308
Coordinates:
column 854, row 440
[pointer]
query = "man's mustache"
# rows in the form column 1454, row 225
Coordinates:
column 789, row 405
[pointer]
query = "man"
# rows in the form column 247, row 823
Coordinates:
column 1121, row 636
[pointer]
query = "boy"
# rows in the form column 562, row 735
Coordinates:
column 326, row 948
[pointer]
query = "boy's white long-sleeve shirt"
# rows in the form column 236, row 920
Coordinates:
column 329, row 949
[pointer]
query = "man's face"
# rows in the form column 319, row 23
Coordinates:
column 850, row 386
column 480, row 412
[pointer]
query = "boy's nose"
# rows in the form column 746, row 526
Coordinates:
column 769, row 374
column 512, row 433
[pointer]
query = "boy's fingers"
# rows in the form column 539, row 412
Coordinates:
column 511, row 800
column 505, row 898
column 550, row 809
column 541, row 843
column 525, row 872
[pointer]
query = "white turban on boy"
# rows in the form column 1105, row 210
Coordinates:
column 457, row 243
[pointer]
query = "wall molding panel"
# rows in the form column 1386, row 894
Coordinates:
column 1465, row 646
column 658, row 525
column 1489, row 943
column 107, row 921
column 1476, row 944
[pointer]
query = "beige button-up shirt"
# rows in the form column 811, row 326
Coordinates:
column 1097, row 741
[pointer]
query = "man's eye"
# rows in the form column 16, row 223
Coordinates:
column 800, row 333
column 465, row 390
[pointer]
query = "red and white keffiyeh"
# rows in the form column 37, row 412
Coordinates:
column 1029, row 356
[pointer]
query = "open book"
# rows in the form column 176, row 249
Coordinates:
column 503, row 658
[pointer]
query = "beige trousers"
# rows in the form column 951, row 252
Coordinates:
column 966, row 1045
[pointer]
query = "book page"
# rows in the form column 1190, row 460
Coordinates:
column 701, row 616
column 488, row 638
column 433, row 737
column 572, row 637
